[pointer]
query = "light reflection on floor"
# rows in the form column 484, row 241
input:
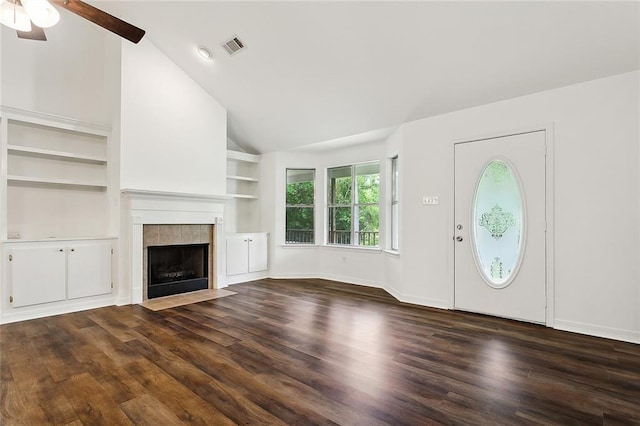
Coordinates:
column 361, row 364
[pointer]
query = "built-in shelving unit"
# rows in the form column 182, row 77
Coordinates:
column 55, row 180
column 243, row 185
column 58, row 215
column 242, row 175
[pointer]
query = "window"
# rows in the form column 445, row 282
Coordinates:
column 394, row 203
column 353, row 202
column 300, row 208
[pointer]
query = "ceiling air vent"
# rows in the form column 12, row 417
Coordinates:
column 233, row 46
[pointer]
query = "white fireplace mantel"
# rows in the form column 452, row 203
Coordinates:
column 141, row 208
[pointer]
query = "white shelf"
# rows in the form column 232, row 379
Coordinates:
column 244, row 196
column 48, row 181
column 243, row 178
column 56, row 154
column 242, row 156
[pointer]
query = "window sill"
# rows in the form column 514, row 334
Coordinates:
column 299, row 246
column 357, row 248
column 392, row 253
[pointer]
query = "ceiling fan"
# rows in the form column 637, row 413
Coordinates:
column 29, row 17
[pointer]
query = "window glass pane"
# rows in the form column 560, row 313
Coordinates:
column 360, row 198
column 368, row 189
column 394, row 227
column 300, row 175
column 300, row 200
column 340, row 191
column 498, row 222
column 367, row 232
column 299, row 225
column 338, row 172
column 300, row 186
column 339, row 225
column 394, row 179
column 368, row 168
column 300, row 193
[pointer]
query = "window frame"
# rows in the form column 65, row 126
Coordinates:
column 394, row 214
column 354, row 236
column 312, row 206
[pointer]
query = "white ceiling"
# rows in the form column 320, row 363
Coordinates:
column 318, row 71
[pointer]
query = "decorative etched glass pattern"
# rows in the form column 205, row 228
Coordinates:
column 498, row 223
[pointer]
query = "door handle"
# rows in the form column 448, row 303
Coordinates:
column 459, row 238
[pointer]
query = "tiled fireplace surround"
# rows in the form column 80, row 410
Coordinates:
column 161, row 218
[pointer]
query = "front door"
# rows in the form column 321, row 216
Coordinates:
column 500, row 235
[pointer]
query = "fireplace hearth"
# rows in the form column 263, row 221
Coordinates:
column 175, row 269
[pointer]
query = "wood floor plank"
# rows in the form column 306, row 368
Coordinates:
column 91, row 404
column 186, row 405
column 309, row 352
column 146, row 410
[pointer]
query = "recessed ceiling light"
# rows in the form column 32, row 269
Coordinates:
column 205, row 53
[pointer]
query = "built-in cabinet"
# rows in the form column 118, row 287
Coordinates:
column 247, row 256
column 45, row 272
column 59, row 210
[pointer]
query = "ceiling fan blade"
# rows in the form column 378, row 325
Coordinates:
column 36, row 33
column 97, row 16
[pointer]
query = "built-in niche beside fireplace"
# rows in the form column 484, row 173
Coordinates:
column 177, row 259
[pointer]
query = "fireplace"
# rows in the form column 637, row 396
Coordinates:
column 176, row 269
column 153, row 219
column 177, row 258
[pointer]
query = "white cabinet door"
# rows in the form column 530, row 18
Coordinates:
column 237, row 255
column 88, row 269
column 37, row 275
column 257, row 253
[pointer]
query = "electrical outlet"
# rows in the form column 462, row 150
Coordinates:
column 430, row 200
column 14, row 235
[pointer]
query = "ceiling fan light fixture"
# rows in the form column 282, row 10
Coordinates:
column 14, row 16
column 41, row 12
column 205, row 53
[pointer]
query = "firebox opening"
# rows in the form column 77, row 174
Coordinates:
column 177, row 269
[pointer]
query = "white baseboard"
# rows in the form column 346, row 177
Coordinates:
column 292, row 276
column 121, row 301
column 56, row 308
column 243, row 278
column 350, row 280
column 630, row 336
column 422, row 301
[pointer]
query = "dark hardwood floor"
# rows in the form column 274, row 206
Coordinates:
column 309, row 352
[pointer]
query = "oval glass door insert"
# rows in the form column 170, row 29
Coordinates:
column 498, row 224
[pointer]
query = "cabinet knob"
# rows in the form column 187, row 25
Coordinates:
column 61, row 250
column 73, row 249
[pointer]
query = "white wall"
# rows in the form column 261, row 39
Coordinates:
column 596, row 210
column 173, row 134
column 70, row 75
column 596, row 206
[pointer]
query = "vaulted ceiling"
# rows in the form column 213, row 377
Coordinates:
column 318, row 71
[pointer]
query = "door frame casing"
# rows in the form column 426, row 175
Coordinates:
column 549, row 138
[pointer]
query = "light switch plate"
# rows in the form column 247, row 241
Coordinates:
column 430, row 200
